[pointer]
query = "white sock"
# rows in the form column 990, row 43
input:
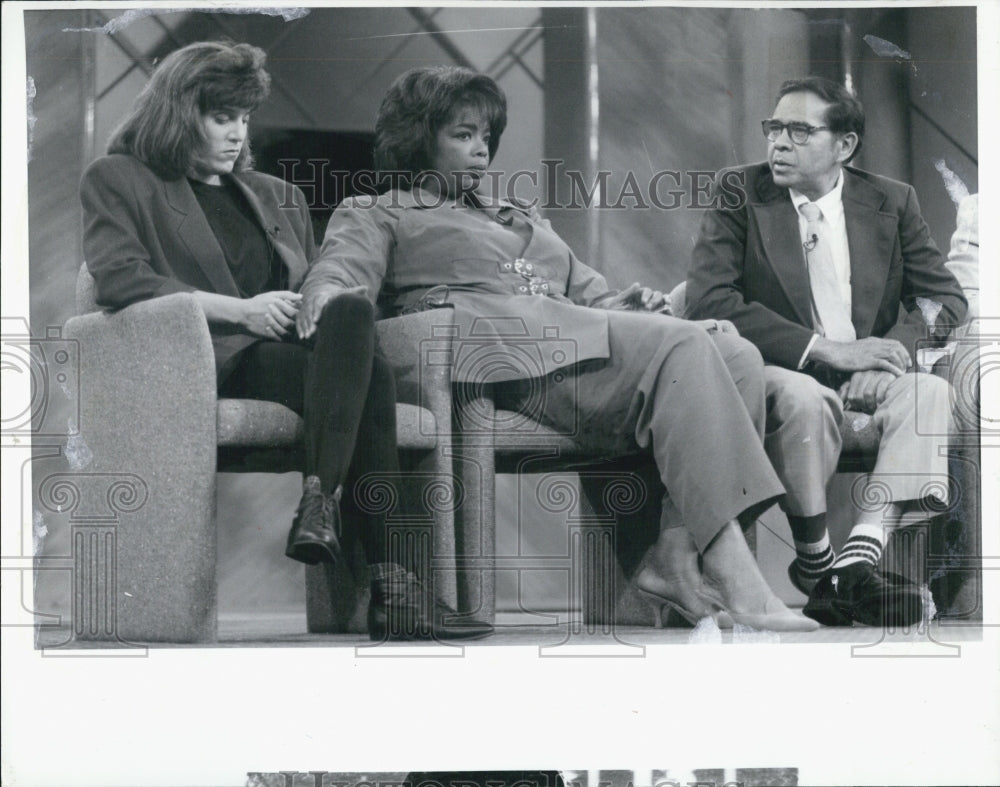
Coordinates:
column 864, row 544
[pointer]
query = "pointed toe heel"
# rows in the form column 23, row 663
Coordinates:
column 781, row 619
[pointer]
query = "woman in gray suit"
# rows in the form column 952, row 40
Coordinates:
column 175, row 207
column 544, row 329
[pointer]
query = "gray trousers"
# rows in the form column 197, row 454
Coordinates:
column 803, row 439
column 695, row 400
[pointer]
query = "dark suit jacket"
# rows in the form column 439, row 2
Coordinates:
column 749, row 267
column 144, row 236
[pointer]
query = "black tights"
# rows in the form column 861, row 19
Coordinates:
column 345, row 393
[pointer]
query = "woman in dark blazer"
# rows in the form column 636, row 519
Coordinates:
column 174, row 207
column 545, row 330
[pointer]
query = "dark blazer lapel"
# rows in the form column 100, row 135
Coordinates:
column 271, row 226
column 779, row 233
column 197, row 237
column 870, row 238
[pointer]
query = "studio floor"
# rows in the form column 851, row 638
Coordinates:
column 288, row 629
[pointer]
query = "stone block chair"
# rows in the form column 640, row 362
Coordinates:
column 156, row 434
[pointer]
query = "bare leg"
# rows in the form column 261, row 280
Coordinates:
column 669, row 573
column 733, row 581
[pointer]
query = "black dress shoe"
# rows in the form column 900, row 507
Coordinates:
column 858, row 593
column 313, row 538
column 401, row 609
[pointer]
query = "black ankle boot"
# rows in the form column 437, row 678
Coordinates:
column 402, row 609
column 314, row 534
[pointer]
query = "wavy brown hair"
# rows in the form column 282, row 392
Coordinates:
column 163, row 129
column 423, row 100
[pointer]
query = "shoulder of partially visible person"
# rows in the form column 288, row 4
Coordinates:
column 967, row 221
column 963, row 253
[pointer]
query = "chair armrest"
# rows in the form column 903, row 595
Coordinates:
column 148, row 412
column 418, row 348
column 149, row 367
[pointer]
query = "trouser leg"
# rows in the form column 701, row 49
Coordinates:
column 744, row 363
column 666, row 388
column 803, row 437
column 914, row 422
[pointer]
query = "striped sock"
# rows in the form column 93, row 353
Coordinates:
column 812, row 559
column 864, row 544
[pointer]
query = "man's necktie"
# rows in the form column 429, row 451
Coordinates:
column 830, row 310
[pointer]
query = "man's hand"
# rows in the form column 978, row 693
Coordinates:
column 866, row 390
column 635, row 297
column 872, row 354
column 270, row 315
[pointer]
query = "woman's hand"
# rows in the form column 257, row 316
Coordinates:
column 271, row 315
column 723, row 326
column 312, row 309
column 635, row 297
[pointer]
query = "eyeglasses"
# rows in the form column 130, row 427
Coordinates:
column 799, row 132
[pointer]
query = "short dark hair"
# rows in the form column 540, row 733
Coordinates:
column 163, row 128
column 845, row 113
column 419, row 103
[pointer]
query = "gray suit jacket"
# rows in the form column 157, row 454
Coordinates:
column 514, row 321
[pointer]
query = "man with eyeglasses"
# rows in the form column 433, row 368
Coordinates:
column 812, row 268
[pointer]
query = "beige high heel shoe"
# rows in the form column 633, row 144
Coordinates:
column 728, row 563
column 672, row 599
column 771, row 619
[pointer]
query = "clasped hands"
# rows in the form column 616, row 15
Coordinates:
column 874, row 362
column 314, row 303
column 276, row 314
column 271, row 315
